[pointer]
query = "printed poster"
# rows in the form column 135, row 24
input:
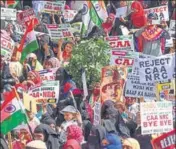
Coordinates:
column 48, row 74
column 156, row 117
column 69, row 15
column 172, row 29
column 8, row 14
column 121, row 42
column 112, row 82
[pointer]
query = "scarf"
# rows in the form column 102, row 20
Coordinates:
column 36, row 75
column 107, row 26
column 72, row 143
column 54, row 62
column 138, row 18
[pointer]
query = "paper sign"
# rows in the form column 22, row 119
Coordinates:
column 156, row 69
column 8, row 14
column 76, row 27
column 121, row 12
column 161, row 12
column 48, row 74
column 172, row 29
column 136, row 89
column 48, row 90
column 97, row 114
column 69, row 15
column 165, row 141
column 121, row 42
column 156, row 117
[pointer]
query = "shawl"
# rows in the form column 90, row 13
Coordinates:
column 107, row 26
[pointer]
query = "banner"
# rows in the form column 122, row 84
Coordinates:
column 76, row 27
column 69, row 15
column 26, row 16
column 161, row 12
column 112, row 82
column 156, row 69
column 48, row 74
column 172, row 29
column 8, row 14
column 97, row 114
column 7, row 47
column 156, row 117
column 59, row 31
column 49, row 91
column 121, row 42
column 136, row 89
column 165, row 141
column 53, row 7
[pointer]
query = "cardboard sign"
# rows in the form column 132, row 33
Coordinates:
column 57, row 31
column 26, row 16
column 69, row 15
column 53, row 7
column 8, row 14
column 172, row 29
column 7, row 47
column 121, row 42
column 97, row 114
column 165, row 141
column 112, row 83
column 48, row 74
column 156, row 69
column 49, row 90
column 134, row 88
column 161, row 12
column 156, row 117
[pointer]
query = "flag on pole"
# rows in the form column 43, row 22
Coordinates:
column 94, row 14
column 12, row 112
column 12, row 3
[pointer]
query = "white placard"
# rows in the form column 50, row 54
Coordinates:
column 8, row 14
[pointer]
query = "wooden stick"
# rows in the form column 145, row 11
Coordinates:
column 10, row 140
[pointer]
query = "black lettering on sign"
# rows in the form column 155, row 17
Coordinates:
column 148, row 77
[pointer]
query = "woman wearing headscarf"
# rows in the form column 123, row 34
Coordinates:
column 72, row 144
column 45, row 133
column 52, row 63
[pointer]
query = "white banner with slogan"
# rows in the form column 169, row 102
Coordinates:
column 69, row 15
column 48, row 74
column 8, row 14
column 156, row 117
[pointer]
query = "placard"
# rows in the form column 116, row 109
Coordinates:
column 69, row 15
column 8, row 14
column 76, row 27
column 97, row 114
column 49, row 91
column 156, row 117
column 48, row 74
column 121, row 42
column 161, row 12
column 136, row 89
column 156, row 69
column 172, row 29
column 165, row 141
column 57, row 31
column 121, row 12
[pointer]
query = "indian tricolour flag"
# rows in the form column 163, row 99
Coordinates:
column 12, row 112
column 94, row 14
column 12, row 3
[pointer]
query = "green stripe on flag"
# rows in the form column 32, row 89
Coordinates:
column 13, row 121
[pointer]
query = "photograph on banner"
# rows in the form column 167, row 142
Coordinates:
column 48, row 90
column 165, row 141
column 112, row 82
column 161, row 12
column 121, row 42
column 69, row 15
column 48, row 74
column 97, row 114
column 59, row 31
column 133, row 88
column 172, row 29
column 156, row 117
column 156, row 69
column 8, row 14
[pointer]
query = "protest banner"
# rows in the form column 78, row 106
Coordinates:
column 48, row 90
column 76, row 27
column 8, row 14
column 161, row 12
column 97, row 114
column 7, row 47
column 57, row 31
column 156, row 69
column 172, row 29
column 121, row 42
column 69, row 15
column 165, row 141
column 48, row 74
column 112, row 82
column 136, row 89
column 156, row 117
column 26, row 16
column 53, row 7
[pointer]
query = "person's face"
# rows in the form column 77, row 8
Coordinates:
column 77, row 38
column 53, row 126
column 39, row 136
column 68, row 48
column 30, row 77
column 109, row 19
column 127, row 147
column 69, row 147
column 48, row 65
column 30, row 115
column 68, row 116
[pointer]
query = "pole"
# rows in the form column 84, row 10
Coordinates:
column 9, row 140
